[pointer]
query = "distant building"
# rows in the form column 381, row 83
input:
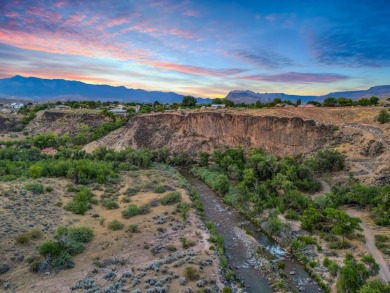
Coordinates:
column 119, row 112
column 216, row 106
column 16, row 105
column 386, row 105
column 49, row 151
column 62, row 107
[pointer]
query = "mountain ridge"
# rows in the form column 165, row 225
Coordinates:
column 248, row 96
column 35, row 88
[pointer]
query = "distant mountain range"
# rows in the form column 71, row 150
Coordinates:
column 32, row 88
column 38, row 89
column 248, row 97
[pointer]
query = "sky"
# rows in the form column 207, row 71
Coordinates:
column 201, row 48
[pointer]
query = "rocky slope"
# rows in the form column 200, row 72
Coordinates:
column 195, row 131
column 61, row 122
column 9, row 122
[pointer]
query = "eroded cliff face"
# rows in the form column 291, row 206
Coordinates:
column 196, row 131
column 9, row 122
column 61, row 122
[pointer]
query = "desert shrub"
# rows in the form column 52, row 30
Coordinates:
column 63, row 261
column 22, row 239
column 187, row 243
column 132, row 190
column 126, row 199
column 131, row 211
column 75, row 207
column 80, row 234
column 35, row 188
column 115, row 225
column 49, row 189
column 383, row 117
column 144, row 209
column 182, row 209
column 307, row 239
column 133, row 228
column 109, row 204
column 159, row 189
column 26, row 237
column 191, row 274
column 80, row 202
column 171, row 247
column 50, row 248
column 171, row 198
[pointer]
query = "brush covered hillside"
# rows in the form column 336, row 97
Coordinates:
column 93, row 202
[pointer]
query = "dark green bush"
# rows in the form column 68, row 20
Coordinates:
column 191, row 274
column 133, row 228
column 159, row 189
column 35, row 188
column 131, row 211
column 171, row 198
column 115, row 225
column 109, row 204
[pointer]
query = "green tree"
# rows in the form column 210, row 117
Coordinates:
column 330, row 102
column 188, row 101
column 364, row 102
column 374, row 100
column 299, row 102
column 228, row 103
column 35, row 171
column 217, row 101
column 342, row 224
column 375, row 286
column 383, row 117
column 204, row 159
column 354, row 274
column 344, row 102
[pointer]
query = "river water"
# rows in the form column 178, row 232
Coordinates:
column 239, row 247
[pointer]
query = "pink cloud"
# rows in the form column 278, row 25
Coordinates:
column 191, row 13
column 11, row 14
column 189, row 69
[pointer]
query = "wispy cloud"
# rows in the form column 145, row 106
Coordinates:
column 297, row 77
column 262, row 58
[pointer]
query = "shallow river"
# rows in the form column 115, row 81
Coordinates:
column 238, row 245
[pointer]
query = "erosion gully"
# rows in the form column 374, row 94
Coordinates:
column 228, row 221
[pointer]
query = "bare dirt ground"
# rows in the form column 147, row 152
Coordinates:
column 369, row 231
column 153, row 257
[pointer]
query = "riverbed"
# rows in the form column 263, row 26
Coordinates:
column 242, row 238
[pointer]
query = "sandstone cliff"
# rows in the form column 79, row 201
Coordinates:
column 195, row 131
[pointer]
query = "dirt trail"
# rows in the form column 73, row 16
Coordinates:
column 368, row 232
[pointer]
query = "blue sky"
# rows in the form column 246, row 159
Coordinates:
column 202, row 48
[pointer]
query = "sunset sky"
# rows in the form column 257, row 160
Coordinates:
column 202, row 48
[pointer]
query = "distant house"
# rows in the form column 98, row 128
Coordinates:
column 49, row 151
column 16, row 105
column 216, row 106
column 309, row 106
column 119, row 112
column 386, row 105
column 60, row 107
